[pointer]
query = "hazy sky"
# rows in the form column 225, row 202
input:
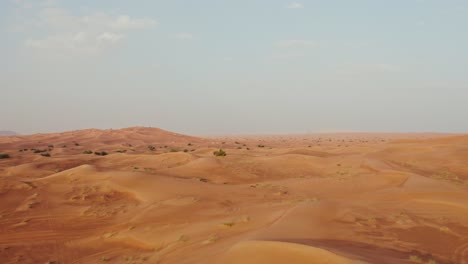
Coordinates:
column 234, row 66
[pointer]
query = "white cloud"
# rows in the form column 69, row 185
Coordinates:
column 296, row 43
column 72, row 34
column 184, row 36
column 295, row 5
column 109, row 37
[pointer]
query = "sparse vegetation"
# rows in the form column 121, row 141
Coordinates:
column 229, row 224
column 151, row 147
column 415, row 259
column 219, row 153
column 173, row 150
column 100, row 153
column 121, row 151
column 4, row 156
column 261, row 146
column 46, row 155
column 87, row 152
column 186, row 150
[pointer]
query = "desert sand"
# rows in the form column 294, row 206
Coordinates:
column 163, row 197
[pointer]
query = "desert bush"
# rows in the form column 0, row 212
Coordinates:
column 87, row 152
column 4, row 156
column 152, row 148
column 415, row 259
column 100, row 153
column 40, row 150
column 220, row 153
column 261, row 146
column 121, row 151
column 46, row 155
column 185, row 150
column 173, row 150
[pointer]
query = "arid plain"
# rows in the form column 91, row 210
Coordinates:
column 162, row 197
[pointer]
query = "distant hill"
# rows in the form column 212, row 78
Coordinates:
column 133, row 137
column 8, row 133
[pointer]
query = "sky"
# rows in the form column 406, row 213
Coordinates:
column 234, row 66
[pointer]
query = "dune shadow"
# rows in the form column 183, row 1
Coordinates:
column 371, row 253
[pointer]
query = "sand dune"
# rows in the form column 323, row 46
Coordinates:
column 278, row 252
column 317, row 198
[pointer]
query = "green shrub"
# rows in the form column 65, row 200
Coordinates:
column 87, row 152
column 220, row 153
column 4, row 156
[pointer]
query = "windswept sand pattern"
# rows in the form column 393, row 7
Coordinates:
column 162, row 197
